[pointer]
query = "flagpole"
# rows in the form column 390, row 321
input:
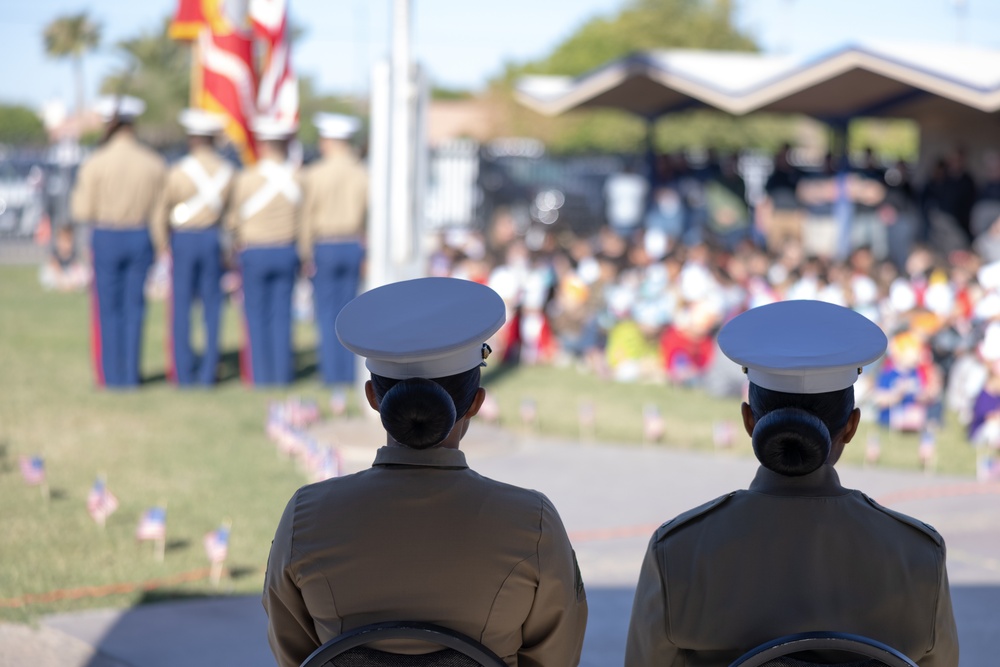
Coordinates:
column 161, row 542
column 102, row 515
column 217, row 566
column 194, row 94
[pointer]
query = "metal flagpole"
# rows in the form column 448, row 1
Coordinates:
column 401, row 165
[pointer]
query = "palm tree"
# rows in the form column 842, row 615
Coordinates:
column 73, row 36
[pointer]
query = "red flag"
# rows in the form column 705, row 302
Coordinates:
column 228, row 78
column 278, row 92
column 225, row 80
column 188, row 20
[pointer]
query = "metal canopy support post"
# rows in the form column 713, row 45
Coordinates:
column 651, row 150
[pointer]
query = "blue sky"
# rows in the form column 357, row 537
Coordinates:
column 463, row 43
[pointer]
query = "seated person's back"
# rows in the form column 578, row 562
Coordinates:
column 797, row 552
column 419, row 536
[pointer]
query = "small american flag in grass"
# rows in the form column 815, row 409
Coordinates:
column 32, row 470
column 101, row 503
column 217, row 544
column 152, row 525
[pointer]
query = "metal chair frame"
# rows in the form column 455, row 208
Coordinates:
column 425, row 632
column 823, row 641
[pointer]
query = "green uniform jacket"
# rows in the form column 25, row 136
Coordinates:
column 421, row 537
column 789, row 555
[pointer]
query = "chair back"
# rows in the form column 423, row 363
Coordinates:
column 812, row 649
column 350, row 648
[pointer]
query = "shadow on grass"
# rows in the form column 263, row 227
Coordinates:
column 176, row 545
column 305, row 363
column 241, row 571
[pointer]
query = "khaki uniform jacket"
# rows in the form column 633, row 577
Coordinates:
column 276, row 224
column 789, row 555
column 334, row 201
column 119, row 185
column 179, row 189
column 421, row 537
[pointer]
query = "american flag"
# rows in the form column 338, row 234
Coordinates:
column 33, row 470
column 873, row 449
column 226, row 63
column 278, row 90
column 653, row 425
column 152, row 525
column 217, row 544
column 327, row 465
column 723, row 433
column 101, row 503
column 928, row 447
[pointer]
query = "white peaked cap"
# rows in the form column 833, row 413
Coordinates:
column 335, row 125
column 428, row 327
column 199, row 122
column 802, row 347
column 123, row 107
column 269, row 128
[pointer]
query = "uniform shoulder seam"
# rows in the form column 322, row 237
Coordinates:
column 924, row 528
column 688, row 516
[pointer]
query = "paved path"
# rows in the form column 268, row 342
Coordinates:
column 610, row 498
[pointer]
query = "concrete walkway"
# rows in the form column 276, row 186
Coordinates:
column 610, row 498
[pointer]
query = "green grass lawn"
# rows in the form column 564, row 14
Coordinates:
column 205, row 453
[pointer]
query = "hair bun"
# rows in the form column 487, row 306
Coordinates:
column 791, row 441
column 418, row 413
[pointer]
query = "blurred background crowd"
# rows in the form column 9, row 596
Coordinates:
column 642, row 297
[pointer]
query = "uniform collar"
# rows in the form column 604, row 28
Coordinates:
column 434, row 457
column 821, row 482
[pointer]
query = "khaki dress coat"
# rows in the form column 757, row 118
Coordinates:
column 334, row 201
column 790, row 555
column 179, row 188
column 275, row 224
column 118, row 186
column 421, row 537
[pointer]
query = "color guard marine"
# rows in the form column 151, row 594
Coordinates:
column 335, row 200
column 264, row 220
column 115, row 195
column 187, row 225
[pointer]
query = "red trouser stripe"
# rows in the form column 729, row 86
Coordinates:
column 246, row 358
column 171, row 359
column 96, row 355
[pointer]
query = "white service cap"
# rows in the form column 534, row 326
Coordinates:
column 123, row 107
column 802, row 347
column 199, row 122
column 270, row 128
column 335, row 125
column 428, row 327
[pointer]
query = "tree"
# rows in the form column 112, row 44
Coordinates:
column 311, row 102
column 645, row 25
column 158, row 70
column 21, row 126
column 641, row 25
column 73, row 36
